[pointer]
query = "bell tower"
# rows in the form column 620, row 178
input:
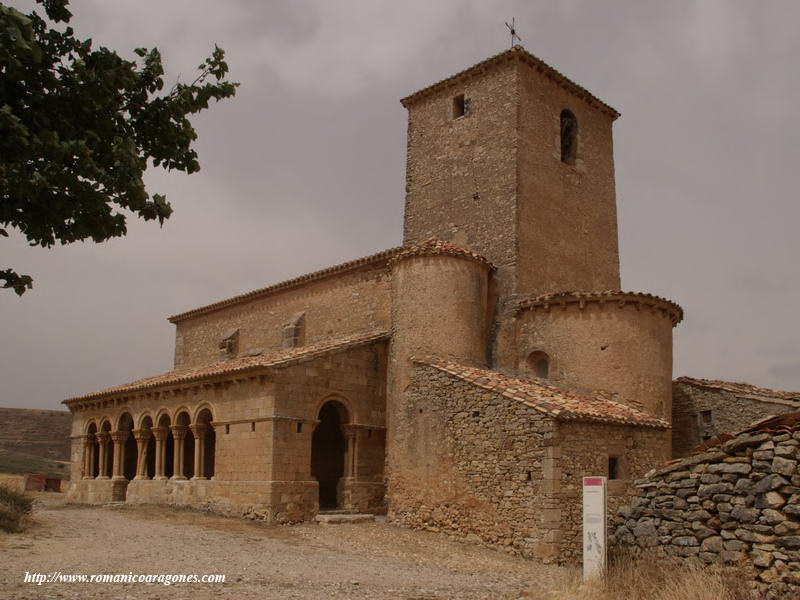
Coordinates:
column 514, row 161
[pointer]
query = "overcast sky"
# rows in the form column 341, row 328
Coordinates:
column 304, row 169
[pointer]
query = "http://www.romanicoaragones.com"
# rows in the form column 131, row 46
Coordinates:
column 162, row 578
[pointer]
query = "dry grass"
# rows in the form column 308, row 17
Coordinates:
column 653, row 577
column 15, row 508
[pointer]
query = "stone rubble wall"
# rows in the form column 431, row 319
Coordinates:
column 473, row 464
column 734, row 504
column 728, row 412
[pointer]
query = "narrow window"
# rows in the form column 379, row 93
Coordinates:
column 569, row 137
column 299, row 428
column 459, row 106
column 705, row 417
column 253, row 426
column 539, row 364
column 613, row 467
column 227, row 429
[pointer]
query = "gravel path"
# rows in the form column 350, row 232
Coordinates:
column 371, row 560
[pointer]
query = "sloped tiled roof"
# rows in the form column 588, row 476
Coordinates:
column 434, row 247
column 281, row 358
column 673, row 310
column 520, row 53
column 548, row 399
column 358, row 262
column 745, row 390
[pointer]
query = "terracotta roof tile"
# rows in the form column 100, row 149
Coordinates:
column 546, row 398
column 281, row 358
column 672, row 309
column 432, row 247
column 519, row 53
column 745, row 389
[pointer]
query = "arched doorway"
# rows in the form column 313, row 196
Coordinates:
column 328, row 453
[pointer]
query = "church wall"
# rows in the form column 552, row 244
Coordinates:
column 356, row 379
column 625, row 350
column 567, row 215
column 583, row 449
column 347, row 302
column 461, row 172
column 700, row 414
column 473, row 463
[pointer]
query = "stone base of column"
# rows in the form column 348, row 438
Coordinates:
column 119, row 478
column 199, row 478
column 102, row 477
column 178, row 478
column 160, row 477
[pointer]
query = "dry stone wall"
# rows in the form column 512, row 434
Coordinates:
column 736, row 503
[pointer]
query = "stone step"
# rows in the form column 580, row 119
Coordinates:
column 329, row 518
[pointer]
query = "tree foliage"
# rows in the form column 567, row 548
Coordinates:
column 79, row 126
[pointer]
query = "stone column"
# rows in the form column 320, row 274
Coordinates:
column 350, row 457
column 161, row 434
column 142, row 436
column 103, row 439
column 199, row 432
column 179, row 435
column 119, row 438
column 87, row 456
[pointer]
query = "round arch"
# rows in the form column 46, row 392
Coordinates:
column 142, row 418
column 204, row 406
column 349, row 413
column 124, row 412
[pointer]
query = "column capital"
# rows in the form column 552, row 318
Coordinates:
column 179, row 431
column 141, row 435
column 160, row 433
column 119, row 436
column 199, row 428
column 88, row 439
column 103, row 437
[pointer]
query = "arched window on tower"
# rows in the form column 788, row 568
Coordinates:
column 539, row 364
column 569, row 137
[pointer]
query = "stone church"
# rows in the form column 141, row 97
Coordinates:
column 463, row 382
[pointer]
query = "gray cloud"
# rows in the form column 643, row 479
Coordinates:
column 305, row 168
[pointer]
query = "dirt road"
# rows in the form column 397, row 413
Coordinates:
column 372, row 560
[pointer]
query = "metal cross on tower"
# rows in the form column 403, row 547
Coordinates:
column 512, row 28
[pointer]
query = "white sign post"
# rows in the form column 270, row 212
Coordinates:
column 595, row 528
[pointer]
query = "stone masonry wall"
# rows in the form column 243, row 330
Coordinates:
column 582, row 450
column 699, row 414
column 736, row 503
column 263, row 426
column 475, row 463
column 351, row 301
